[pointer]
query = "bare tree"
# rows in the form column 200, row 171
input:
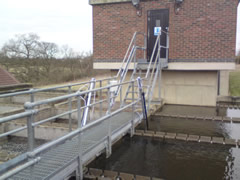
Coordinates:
column 22, row 46
column 48, row 50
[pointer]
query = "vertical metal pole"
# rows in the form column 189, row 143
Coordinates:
column 109, row 144
column 79, row 112
column 79, row 171
column 70, row 109
column 80, row 163
column 145, row 46
column 101, row 108
column 32, row 96
column 30, row 131
column 120, row 95
column 135, row 55
column 167, row 51
column 133, row 111
column 159, row 69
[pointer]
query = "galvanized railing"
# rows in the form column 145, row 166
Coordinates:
column 106, row 94
column 32, row 109
column 32, row 92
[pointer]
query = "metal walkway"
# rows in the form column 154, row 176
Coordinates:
column 68, row 154
column 63, row 159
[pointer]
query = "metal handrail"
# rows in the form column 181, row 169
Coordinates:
column 32, row 91
column 31, row 111
column 61, row 140
column 133, row 40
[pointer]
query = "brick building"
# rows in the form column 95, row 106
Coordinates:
column 202, row 40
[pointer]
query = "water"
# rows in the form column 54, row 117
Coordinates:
column 195, row 127
column 172, row 159
column 233, row 113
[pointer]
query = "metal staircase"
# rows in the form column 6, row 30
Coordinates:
column 150, row 74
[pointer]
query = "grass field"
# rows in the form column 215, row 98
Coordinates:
column 234, row 83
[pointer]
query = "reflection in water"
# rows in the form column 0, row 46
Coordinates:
column 233, row 113
column 196, row 127
column 172, row 159
column 179, row 159
column 189, row 110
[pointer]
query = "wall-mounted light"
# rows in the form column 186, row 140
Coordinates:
column 177, row 6
column 135, row 2
column 179, row 1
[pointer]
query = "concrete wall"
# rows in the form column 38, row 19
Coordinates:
column 190, row 87
column 224, row 83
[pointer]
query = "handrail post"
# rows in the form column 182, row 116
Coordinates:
column 30, row 130
column 145, row 46
column 109, row 138
column 167, row 50
column 79, row 171
column 133, row 111
column 70, row 109
column 120, row 96
column 79, row 112
column 159, row 70
column 101, row 108
column 32, row 95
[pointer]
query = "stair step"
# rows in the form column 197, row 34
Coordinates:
column 129, row 99
column 132, row 92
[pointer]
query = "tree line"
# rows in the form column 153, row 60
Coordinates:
column 34, row 61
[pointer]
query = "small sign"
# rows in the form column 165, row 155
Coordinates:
column 157, row 31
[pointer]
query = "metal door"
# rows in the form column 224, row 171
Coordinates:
column 157, row 18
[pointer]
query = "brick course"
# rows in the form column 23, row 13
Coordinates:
column 203, row 29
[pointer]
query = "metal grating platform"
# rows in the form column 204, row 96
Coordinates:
column 56, row 159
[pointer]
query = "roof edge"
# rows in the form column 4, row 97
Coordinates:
column 95, row 2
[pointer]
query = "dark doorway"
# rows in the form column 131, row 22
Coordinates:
column 157, row 18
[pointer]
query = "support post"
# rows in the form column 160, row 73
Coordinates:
column 30, row 131
column 70, row 109
column 101, row 108
column 79, row 171
column 32, row 96
column 109, row 143
column 79, row 112
column 159, row 69
column 144, row 110
column 133, row 111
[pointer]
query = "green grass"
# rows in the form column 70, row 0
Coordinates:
column 234, row 83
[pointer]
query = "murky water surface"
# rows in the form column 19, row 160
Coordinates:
column 172, row 159
column 196, row 127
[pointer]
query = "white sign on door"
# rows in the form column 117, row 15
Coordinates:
column 157, row 31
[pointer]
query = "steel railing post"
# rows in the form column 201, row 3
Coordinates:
column 79, row 171
column 159, row 70
column 70, row 109
column 120, row 95
column 133, row 111
column 79, row 112
column 167, row 50
column 30, row 130
column 32, row 95
column 109, row 144
column 101, row 108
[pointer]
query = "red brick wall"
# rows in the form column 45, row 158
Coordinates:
column 203, row 29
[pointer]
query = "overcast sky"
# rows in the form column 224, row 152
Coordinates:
column 60, row 21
